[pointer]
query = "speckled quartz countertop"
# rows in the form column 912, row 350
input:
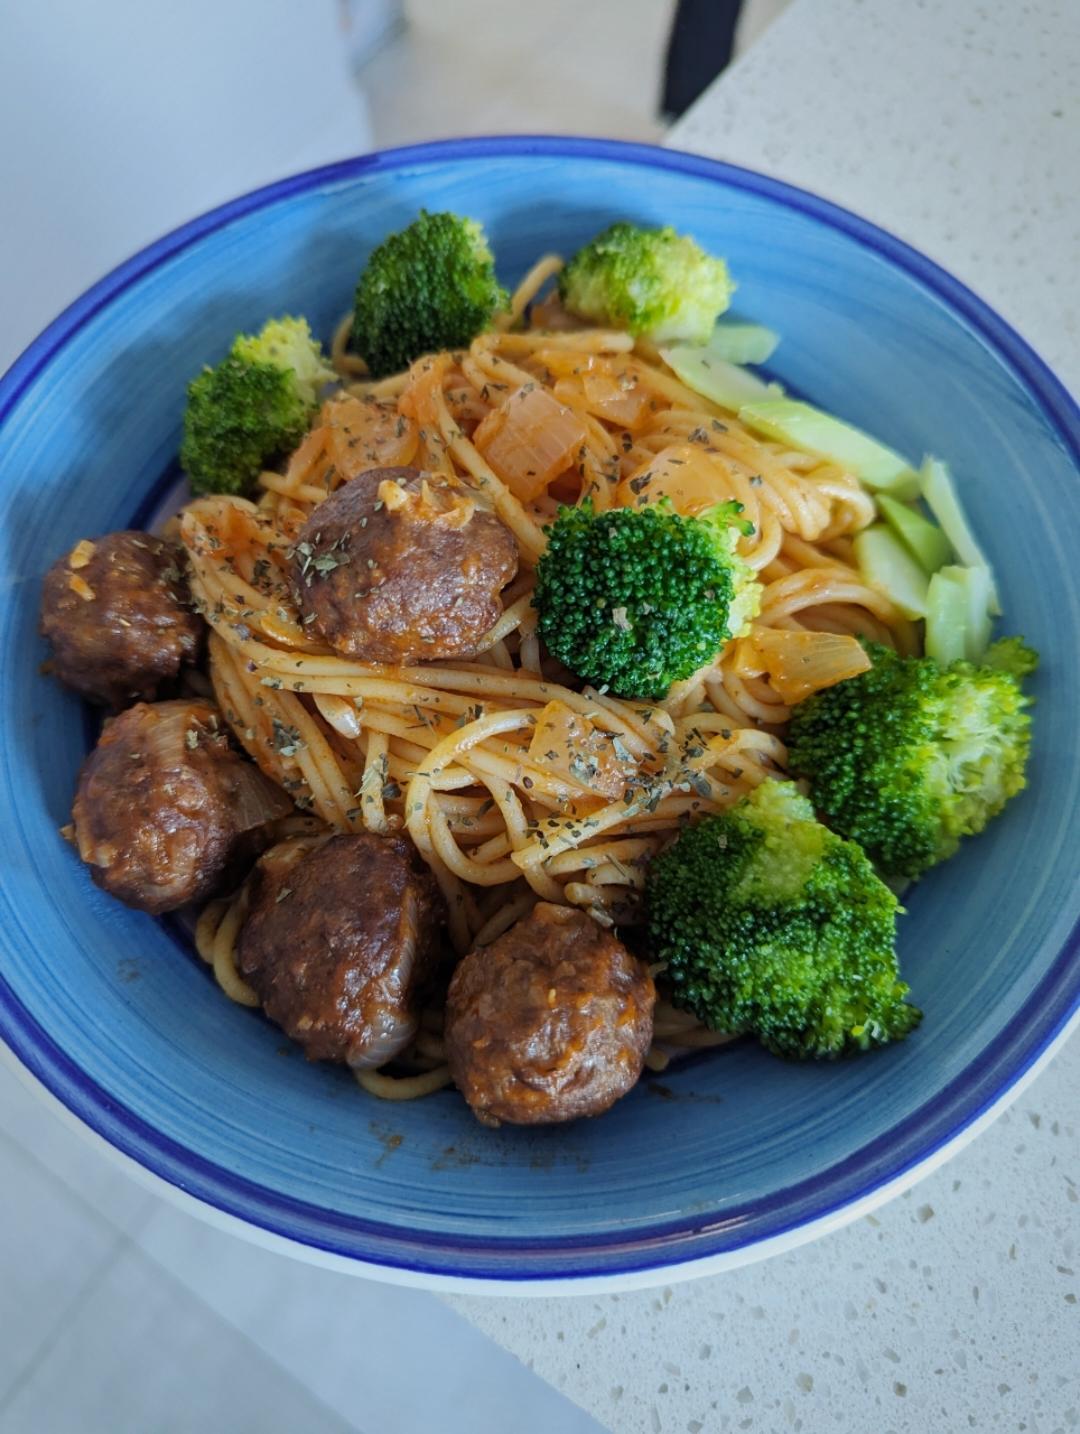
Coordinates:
column 955, row 125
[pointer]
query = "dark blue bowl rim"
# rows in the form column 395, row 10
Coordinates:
column 911, row 1143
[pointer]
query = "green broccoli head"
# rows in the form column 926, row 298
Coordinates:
column 651, row 282
column 286, row 345
column 253, row 407
column 771, row 925
column 635, row 599
column 909, row 757
column 431, row 287
column 1011, row 655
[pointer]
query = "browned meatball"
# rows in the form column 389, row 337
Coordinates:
column 399, row 566
column 339, row 946
column 549, row 1022
column 117, row 616
column 165, row 806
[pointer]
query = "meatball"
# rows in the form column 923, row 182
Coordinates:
column 166, row 809
column 117, row 616
column 400, row 565
column 549, row 1022
column 339, row 946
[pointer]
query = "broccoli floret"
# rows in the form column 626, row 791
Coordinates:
column 253, row 407
column 773, row 926
column 909, row 757
column 1011, row 655
column 635, row 599
column 651, row 282
column 431, row 287
column 286, row 344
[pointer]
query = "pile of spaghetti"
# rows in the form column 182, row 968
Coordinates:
column 516, row 782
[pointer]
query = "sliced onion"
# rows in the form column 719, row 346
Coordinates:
column 798, row 663
column 530, row 440
column 172, row 731
column 690, row 478
column 569, row 745
column 613, row 387
column 256, row 799
column 164, row 729
column 616, row 393
column 340, row 713
column 363, row 434
column 384, row 1037
column 393, row 1023
column 420, row 399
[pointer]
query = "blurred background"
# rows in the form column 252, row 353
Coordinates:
column 144, row 115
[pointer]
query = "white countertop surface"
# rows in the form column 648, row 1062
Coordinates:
column 955, row 125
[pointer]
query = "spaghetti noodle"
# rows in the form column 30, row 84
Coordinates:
column 491, row 765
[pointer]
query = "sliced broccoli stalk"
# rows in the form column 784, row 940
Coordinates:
column 940, row 495
column 770, row 925
column 651, row 282
column 958, row 618
column 977, row 586
column 888, row 567
column 254, row 407
column 743, row 343
column 910, row 757
column 811, row 431
column 723, row 383
column 947, row 613
column 635, row 599
column 925, row 541
column 431, row 287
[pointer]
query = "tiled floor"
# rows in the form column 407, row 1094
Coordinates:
column 137, row 1351
column 121, row 1314
column 96, row 1335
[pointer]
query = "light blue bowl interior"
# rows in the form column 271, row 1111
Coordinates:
column 117, row 1016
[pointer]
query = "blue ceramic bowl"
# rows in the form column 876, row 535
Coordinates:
column 730, row 1156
